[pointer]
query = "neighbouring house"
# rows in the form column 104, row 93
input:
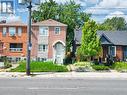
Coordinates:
column 49, row 40
column 13, row 40
column 114, row 43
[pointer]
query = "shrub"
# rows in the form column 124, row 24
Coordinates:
column 40, row 67
column 7, row 65
column 83, row 66
column 100, row 67
column 120, row 66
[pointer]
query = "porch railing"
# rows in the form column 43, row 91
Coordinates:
column 16, row 49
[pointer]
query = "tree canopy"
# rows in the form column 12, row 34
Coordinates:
column 90, row 43
column 115, row 23
column 69, row 13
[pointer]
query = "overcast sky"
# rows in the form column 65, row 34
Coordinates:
column 101, row 9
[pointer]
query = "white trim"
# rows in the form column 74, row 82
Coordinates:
column 43, row 27
column 14, row 31
column 60, row 42
column 4, row 30
column 42, row 49
column 109, row 50
column 55, row 30
column 54, row 52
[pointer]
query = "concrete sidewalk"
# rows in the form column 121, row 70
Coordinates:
column 115, row 75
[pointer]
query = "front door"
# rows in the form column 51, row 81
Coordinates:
column 59, row 53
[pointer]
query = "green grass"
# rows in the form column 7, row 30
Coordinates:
column 40, row 67
column 120, row 66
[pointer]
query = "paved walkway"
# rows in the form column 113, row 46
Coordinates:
column 65, row 75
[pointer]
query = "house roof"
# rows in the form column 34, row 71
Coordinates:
column 111, row 37
column 49, row 22
column 16, row 23
column 115, row 37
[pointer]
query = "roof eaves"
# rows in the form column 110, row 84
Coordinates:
column 106, row 38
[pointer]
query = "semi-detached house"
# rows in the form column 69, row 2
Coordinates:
column 48, row 40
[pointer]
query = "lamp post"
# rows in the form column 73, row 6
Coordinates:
column 29, row 45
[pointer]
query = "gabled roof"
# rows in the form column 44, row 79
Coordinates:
column 104, row 40
column 115, row 37
column 16, row 23
column 49, row 22
column 111, row 37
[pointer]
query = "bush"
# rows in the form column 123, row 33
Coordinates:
column 100, row 67
column 83, row 66
column 40, row 67
column 7, row 65
column 120, row 66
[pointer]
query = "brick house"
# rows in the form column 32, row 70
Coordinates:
column 49, row 40
column 114, row 43
column 13, row 40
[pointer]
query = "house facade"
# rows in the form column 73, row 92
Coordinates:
column 114, row 44
column 13, row 40
column 50, row 40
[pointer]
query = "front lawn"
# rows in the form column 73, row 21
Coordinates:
column 40, row 67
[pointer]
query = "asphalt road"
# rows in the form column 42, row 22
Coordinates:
column 63, row 86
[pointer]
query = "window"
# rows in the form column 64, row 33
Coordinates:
column 41, row 59
column 16, row 47
column 125, row 53
column 57, row 30
column 12, row 31
column 6, row 6
column 19, row 31
column 4, row 31
column 43, row 31
column 112, row 51
column 21, row 1
column 43, row 48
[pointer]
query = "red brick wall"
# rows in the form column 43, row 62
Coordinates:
column 16, row 39
column 53, row 38
column 35, row 33
column 119, row 52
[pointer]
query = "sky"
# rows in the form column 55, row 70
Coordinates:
column 100, row 9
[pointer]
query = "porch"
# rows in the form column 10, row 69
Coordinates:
column 117, row 53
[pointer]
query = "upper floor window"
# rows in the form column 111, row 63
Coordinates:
column 6, row 6
column 12, row 31
column 43, row 47
column 19, row 31
column 4, row 31
column 57, row 30
column 43, row 31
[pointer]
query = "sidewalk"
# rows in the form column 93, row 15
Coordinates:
column 104, row 75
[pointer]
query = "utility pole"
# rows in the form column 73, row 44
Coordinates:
column 29, row 44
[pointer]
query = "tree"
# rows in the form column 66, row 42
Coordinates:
column 69, row 13
column 115, row 23
column 90, row 43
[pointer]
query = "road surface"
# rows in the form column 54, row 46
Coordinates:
column 62, row 86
